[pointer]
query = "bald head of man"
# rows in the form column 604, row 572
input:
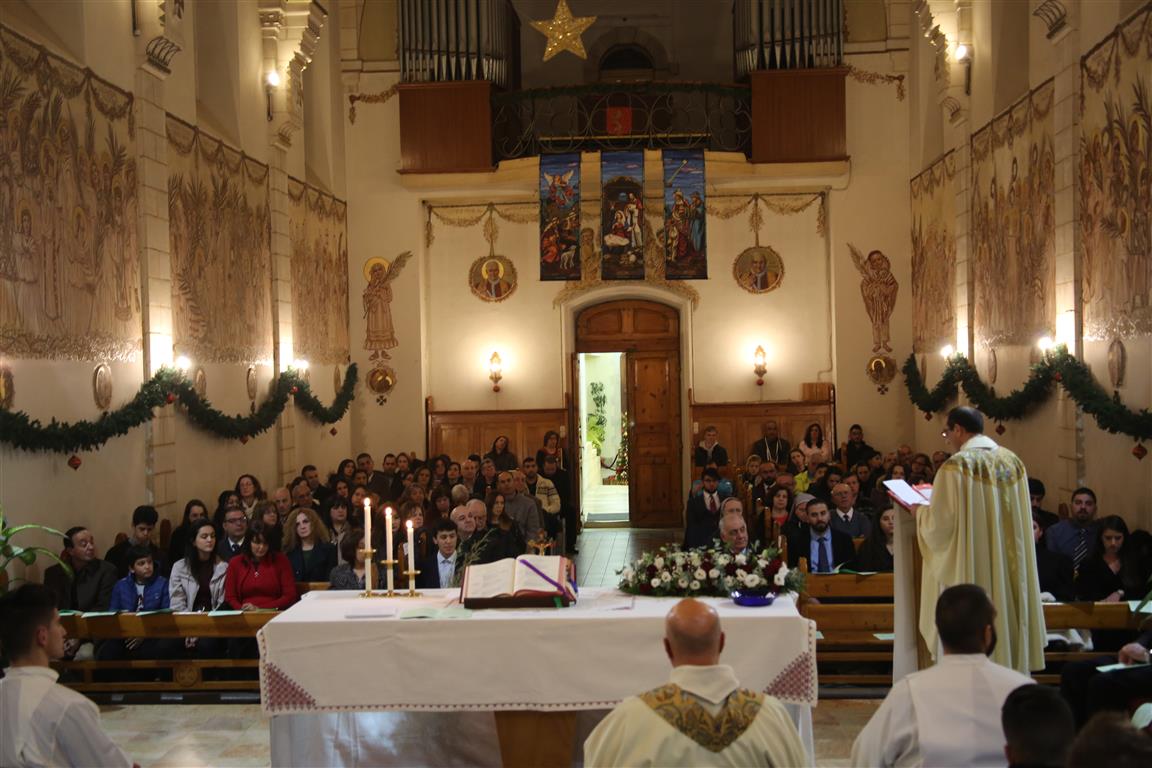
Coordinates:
column 692, row 635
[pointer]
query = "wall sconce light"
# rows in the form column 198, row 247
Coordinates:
column 964, row 56
column 947, row 351
column 759, row 365
column 1045, row 344
column 495, row 371
column 182, row 363
column 300, row 364
column 271, row 80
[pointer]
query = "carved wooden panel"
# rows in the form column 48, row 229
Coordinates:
column 738, row 424
column 618, row 326
column 655, row 499
column 460, row 433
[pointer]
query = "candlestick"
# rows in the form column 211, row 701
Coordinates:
column 389, row 564
column 368, row 553
column 412, row 574
column 411, row 548
column 391, row 551
column 368, row 521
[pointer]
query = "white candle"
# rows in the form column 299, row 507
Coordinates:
column 367, row 524
column 411, row 550
column 388, row 537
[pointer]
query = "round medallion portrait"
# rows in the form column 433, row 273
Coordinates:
column 381, row 380
column 102, row 386
column 758, row 269
column 492, row 278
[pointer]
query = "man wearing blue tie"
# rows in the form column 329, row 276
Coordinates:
column 824, row 546
column 439, row 570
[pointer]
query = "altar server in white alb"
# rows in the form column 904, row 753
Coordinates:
column 949, row 714
column 702, row 717
column 978, row 530
column 43, row 723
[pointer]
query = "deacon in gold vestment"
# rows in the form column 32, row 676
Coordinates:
column 702, row 717
column 978, row 530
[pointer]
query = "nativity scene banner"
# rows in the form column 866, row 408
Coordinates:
column 625, row 233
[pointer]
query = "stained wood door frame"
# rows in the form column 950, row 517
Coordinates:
column 638, row 296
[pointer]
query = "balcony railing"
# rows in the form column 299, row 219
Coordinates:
column 786, row 34
column 608, row 116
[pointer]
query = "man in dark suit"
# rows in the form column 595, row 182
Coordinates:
column 235, row 530
column 90, row 587
column 770, row 447
column 438, row 571
column 824, row 546
column 702, row 517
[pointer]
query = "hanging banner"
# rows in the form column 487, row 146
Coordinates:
column 622, row 215
column 684, row 237
column 560, row 216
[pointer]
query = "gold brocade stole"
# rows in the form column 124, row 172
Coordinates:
column 681, row 711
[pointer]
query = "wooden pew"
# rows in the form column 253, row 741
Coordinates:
column 187, row 674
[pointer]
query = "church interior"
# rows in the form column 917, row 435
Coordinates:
column 376, row 250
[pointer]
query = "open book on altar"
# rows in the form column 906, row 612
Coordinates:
column 909, row 496
column 529, row 581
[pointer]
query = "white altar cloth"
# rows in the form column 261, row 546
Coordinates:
column 329, row 681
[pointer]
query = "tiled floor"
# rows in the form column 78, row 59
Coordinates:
column 236, row 735
column 604, row 551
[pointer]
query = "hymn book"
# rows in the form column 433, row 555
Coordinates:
column 529, row 581
column 909, row 496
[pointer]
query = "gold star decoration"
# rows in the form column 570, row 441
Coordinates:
column 563, row 31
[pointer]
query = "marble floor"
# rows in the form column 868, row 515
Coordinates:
column 236, row 735
column 605, row 504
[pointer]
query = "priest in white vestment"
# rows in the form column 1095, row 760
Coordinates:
column 978, row 530
column 702, row 717
column 949, row 714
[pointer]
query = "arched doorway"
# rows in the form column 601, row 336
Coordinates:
column 641, row 340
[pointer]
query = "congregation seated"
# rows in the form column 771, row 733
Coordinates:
column 1036, row 493
column 302, row 495
column 44, row 723
column 923, row 720
column 734, row 528
column 270, row 515
column 703, row 513
column 501, row 536
column 550, row 449
column 336, row 519
column 307, row 545
column 776, row 510
column 827, row 477
column 825, row 547
column 350, row 573
column 90, row 586
column 810, row 471
column 439, row 569
column 669, row 725
column 812, row 443
column 194, row 511
column 797, row 522
column 876, row 552
column 846, row 518
column 144, row 520
column 1114, row 570
column 1110, row 739
column 1075, row 537
column 1038, row 727
column 1053, row 569
column 503, row 460
column 709, row 451
column 249, row 491
column 855, row 451
column 312, row 476
column 260, row 577
column 197, row 584
column 234, row 532
column 771, row 448
column 518, row 506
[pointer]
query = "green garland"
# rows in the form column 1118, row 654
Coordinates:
column 21, row 431
column 1057, row 367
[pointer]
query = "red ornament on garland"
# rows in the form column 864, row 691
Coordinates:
column 332, row 431
column 171, row 398
column 1139, row 451
column 1000, row 429
column 75, row 462
column 243, row 439
column 293, row 390
column 927, row 416
column 1057, row 376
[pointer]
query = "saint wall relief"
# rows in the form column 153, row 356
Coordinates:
column 220, row 230
column 317, row 226
column 934, row 256
column 69, row 264
column 1013, row 223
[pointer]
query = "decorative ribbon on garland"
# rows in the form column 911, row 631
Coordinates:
column 1058, row 366
column 21, row 431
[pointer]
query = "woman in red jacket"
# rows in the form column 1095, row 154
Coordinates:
column 259, row 577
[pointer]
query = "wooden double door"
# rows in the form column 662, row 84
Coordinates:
column 648, row 334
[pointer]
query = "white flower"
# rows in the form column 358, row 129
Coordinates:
column 714, row 573
column 666, row 577
column 779, row 577
column 729, row 582
column 752, row 581
column 741, row 573
column 695, row 585
column 695, row 558
column 724, row 559
column 628, row 574
column 679, row 558
column 761, row 564
column 656, row 582
column 682, row 583
column 700, row 575
column 741, row 559
column 784, row 569
column 658, row 562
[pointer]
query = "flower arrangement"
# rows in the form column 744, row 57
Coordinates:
column 709, row 571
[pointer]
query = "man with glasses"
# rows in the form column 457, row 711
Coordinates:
column 235, row 530
column 978, row 530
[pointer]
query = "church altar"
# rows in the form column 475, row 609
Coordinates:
column 376, row 688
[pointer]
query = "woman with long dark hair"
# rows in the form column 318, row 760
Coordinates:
column 259, row 576
column 551, row 448
column 194, row 511
column 876, row 551
column 197, row 584
column 501, row 456
column 813, row 442
column 249, row 490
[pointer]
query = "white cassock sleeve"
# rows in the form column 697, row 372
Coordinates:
column 889, row 738
column 83, row 741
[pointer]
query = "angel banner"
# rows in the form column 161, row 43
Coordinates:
column 622, row 215
column 560, row 216
column 686, row 255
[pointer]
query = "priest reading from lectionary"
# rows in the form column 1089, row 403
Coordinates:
column 978, row 530
column 702, row 717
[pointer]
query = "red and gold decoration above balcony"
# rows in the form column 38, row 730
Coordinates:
column 563, row 31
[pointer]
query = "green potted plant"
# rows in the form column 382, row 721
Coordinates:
column 10, row 552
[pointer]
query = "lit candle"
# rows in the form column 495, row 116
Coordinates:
column 411, row 551
column 367, row 524
column 388, row 537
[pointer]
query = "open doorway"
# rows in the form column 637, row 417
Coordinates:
column 603, row 405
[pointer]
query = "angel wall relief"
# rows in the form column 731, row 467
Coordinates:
column 380, row 333
column 878, row 287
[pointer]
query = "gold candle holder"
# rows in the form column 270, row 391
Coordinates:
column 389, row 564
column 368, row 553
column 412, row 583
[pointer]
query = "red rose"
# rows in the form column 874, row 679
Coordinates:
column 730, row 569
column 645, row 588
column 651, row 570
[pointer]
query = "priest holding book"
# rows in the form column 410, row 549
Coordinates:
column 978, row 529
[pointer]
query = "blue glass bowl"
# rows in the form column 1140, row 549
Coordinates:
column 752, row 599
